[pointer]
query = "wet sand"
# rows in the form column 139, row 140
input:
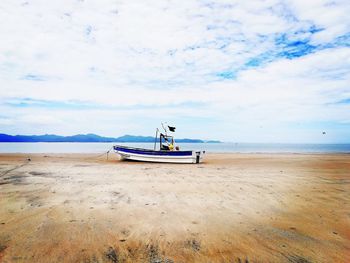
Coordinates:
column 232, row 208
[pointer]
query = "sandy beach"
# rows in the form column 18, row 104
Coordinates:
column 232, row 208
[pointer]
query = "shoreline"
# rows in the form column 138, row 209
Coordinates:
column 206, row 153
column 233, row 207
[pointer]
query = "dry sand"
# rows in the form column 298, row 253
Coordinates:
column 232, row 208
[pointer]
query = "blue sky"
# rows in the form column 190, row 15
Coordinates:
column 241, row 71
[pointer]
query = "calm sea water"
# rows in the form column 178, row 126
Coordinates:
column 42, row 147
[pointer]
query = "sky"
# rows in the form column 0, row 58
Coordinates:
column 237, row 71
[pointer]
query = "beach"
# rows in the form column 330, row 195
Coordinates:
column 231, row 208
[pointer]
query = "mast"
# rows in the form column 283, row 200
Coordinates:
column 155, row 139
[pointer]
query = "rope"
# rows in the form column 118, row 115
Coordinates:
column 28, row 160
column 17, row 167
column 102, row 154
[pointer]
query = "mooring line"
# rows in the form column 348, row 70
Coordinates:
column 15, row 168
column 97, row 156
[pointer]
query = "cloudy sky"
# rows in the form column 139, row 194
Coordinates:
column 241, row 71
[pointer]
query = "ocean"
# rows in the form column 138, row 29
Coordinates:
column 42, row 147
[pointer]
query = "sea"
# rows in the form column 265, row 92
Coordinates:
column 67, row 147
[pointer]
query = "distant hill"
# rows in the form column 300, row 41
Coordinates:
column 86, row 138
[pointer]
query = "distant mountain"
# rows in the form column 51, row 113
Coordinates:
column 133, row 138
column 86, row 138
column 212, row 141
column 55, row 138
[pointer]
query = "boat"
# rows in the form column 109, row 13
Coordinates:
column 168, row 152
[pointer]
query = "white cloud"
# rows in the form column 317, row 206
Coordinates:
column 143, row 59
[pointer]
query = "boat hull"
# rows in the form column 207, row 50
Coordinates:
column 145, row 155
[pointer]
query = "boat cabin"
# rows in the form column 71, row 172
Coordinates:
column 166, row 142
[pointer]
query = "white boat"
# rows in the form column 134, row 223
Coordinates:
column 167, row 153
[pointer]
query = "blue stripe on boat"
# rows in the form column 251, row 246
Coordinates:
column 152, row 152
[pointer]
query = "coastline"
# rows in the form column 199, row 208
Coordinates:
column 96, row 148
column 261, row 207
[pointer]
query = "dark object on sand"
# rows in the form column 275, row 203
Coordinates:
column 194, row 244
column 111, row 254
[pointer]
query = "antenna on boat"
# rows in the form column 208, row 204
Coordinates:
column 164, row 129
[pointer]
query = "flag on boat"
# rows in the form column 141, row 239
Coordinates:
column 172, row 129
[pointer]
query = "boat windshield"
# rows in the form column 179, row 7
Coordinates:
column 166, row 142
